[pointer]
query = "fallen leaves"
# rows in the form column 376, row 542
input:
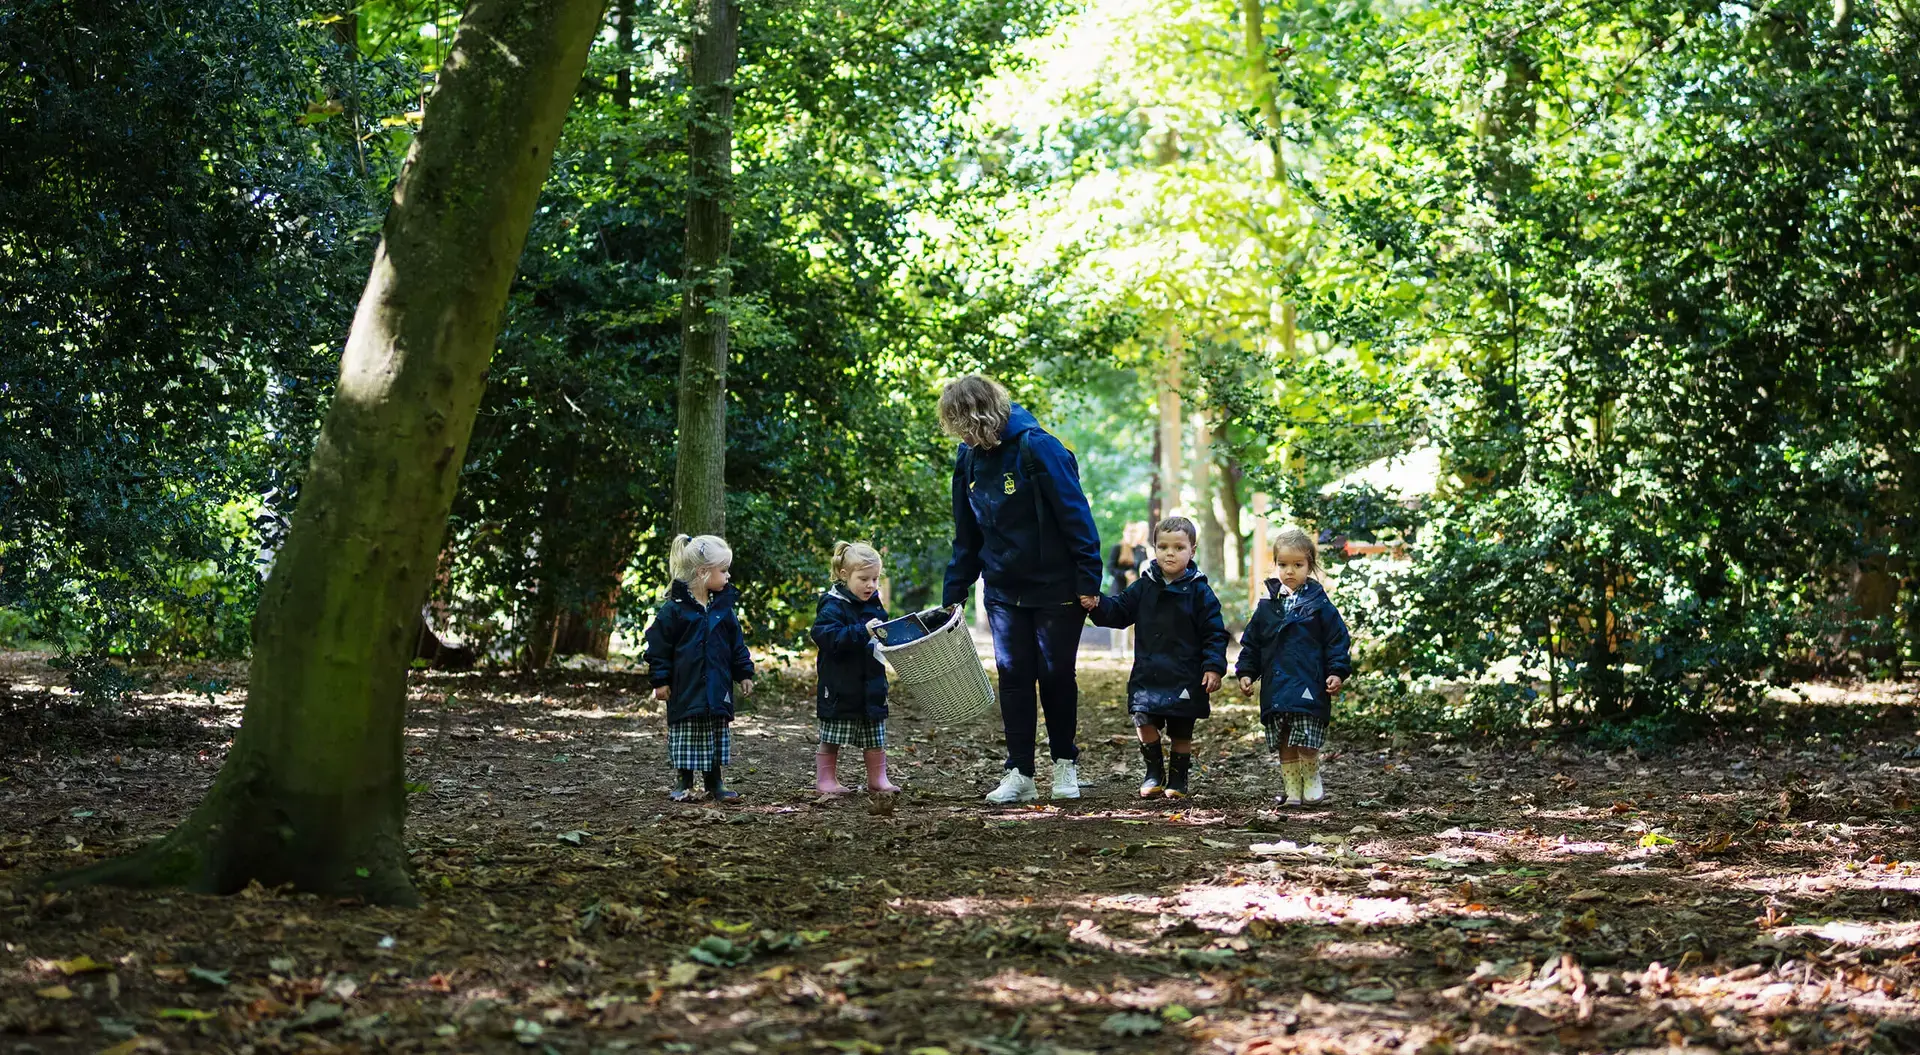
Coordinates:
column 80, row 965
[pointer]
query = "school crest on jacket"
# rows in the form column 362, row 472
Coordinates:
column 1181, row 636
column 1291, row 648
column 853, row 681
column 698, row 652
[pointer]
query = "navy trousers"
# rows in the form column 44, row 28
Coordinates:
column 1035, row 648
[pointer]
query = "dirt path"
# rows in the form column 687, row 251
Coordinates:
column 1735, row 897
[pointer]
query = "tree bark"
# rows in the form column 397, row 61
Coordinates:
column 312, row 792
column 1230, row 475
column 623, row 42
column 1253, row 36
column 699, row 480
column 1213, row 536
column 1171, row 471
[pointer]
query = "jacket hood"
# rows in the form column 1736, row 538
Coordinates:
column 680, row 591
column 1191, row 575
column 1307, row 590
column 1018, row 422
column 839, row 589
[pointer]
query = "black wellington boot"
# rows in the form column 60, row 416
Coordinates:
column 1177, row 771
column 1156, row 770
column 682, row 785
column 718, row 791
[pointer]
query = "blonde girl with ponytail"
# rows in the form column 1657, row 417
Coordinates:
column 697, row 660
column 851, row 698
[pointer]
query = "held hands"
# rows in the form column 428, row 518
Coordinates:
column 662, row 692
column 1089, row 601
column 1210, row 681
column 1333, row 683
column 1246, row 686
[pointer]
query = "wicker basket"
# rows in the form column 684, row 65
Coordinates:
column 941, row 674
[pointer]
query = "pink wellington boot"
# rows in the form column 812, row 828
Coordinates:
column 826, row 760
column 877, row 773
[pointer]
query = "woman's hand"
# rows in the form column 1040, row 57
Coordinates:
column 1089, row 601
column 1210, row 681
column 1333, row 683
column 1246, row 686
column 662, row 692
column 746, row 687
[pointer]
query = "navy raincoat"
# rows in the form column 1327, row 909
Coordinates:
column 1292, row 650
column 1181, row 637
column 853, row 681
column 699, row 652
column 1021, row 521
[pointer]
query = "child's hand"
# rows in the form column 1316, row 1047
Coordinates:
column 1246, row 686
column 1333, row 683
column 1089, row 601
column 871, row 623
column 1210, row 682
column 662, row 692
column 746, row 687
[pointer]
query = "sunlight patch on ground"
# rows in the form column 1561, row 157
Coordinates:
column 1853, row 933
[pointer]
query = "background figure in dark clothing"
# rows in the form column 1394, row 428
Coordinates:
column 1125, row 563
column 1128, row 558
column 1021, row 522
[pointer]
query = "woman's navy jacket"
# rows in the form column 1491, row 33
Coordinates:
column 1291, row 651
column 1021, row 521
column 1181, row 637
column 853, row 681
column 699, row 652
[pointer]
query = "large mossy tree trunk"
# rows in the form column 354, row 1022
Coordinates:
column 312, row 792
column 699, row 480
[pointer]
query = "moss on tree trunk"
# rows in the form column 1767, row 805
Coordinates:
column 313, row 792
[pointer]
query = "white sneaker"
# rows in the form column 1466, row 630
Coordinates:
column 1014, row 787
column 1066, row 779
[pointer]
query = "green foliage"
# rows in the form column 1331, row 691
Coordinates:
column 840, row 330
column 1647, row 262
column 180, row 250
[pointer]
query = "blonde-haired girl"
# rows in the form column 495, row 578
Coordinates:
column 851, row 701
column 1297, row 648
column 697, row 658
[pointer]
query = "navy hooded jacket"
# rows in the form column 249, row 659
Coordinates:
column 1181, row 637
column 1291, row 651
column 1021, row 521
column 853, row 681
column 699, row 652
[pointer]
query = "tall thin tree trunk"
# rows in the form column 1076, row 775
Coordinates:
column 1171, row 470
column 699, row 481
column 312, row 792
column 1213, row 537
column 623, row 42
column 1230, row 474
column 1253, row 38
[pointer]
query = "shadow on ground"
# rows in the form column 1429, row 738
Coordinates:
column 1733, row 896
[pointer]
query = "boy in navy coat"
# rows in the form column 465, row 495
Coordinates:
column 1180, row 653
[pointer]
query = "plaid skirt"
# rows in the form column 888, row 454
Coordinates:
column 1299, row 730
column 700, row 743
column 863, row 733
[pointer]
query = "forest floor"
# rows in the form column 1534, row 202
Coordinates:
column 1740, row 895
